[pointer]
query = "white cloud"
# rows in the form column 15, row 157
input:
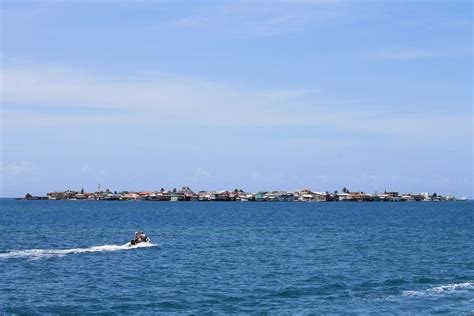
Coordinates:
column 48, row 96
column 168, row 100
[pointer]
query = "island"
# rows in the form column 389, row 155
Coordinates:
column 239, row 195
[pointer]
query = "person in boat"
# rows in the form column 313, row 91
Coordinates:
column 139, row 237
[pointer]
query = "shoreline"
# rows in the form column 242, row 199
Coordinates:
column 251, row 202
column 187, row 195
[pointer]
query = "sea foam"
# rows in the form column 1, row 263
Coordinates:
column 442, row 289
column 35, row 254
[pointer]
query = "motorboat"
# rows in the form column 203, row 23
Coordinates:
column 140, row 237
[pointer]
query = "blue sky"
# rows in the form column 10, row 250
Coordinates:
column 248, row 94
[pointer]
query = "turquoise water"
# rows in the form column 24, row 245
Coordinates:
column 68, row 256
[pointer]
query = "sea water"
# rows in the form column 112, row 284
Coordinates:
column 212, row 257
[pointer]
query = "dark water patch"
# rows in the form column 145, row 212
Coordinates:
column 298, row 292
column 395, row 282
column 425, row 280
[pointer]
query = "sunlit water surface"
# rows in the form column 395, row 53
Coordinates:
column 70, row 256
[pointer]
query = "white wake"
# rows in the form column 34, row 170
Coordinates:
column 442, row 289
column 34, row 254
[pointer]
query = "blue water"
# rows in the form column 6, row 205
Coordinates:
column 292, row 258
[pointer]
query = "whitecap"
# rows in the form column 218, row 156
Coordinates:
column 34, row 254
column 442, row 289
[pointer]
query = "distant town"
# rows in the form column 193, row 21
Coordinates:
column 238, row 195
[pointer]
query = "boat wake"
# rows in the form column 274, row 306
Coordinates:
column 443, row 289
column 35, row 254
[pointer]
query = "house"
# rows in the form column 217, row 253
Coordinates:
column 360, row 196
column 206, row 196
column 111, row 197
column 162, row 196
column 259, row 196
column 144, row 195
column 407, row 198
column 80, row 196
column 56, row 195
column 222, row 196
column 130, row 196
column 245, row 197
column 320, row 196
column 345, row 197
column 185, row 194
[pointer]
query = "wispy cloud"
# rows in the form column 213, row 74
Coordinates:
column 16, row 168
column 170, row 101
column 262, row 18
column 424, row 53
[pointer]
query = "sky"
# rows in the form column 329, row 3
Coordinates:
column 255, row 95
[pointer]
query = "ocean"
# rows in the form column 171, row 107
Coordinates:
column 229, row 257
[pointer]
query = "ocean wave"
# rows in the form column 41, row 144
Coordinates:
column 442, row 289
column 35, row 254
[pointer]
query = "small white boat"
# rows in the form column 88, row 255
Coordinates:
column 140, row 238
